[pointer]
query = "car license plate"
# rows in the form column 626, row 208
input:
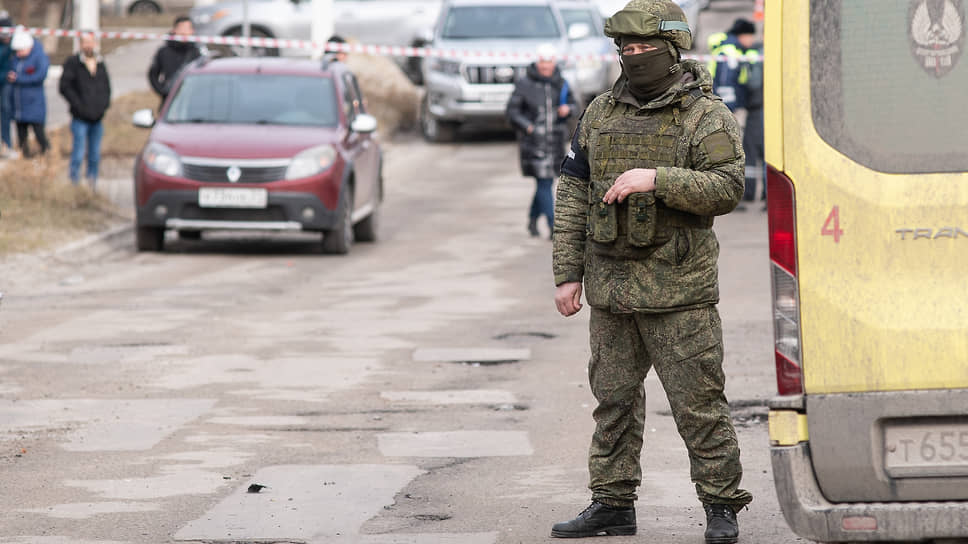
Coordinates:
column 232, row 197
column 495, row 97
column 926, row 448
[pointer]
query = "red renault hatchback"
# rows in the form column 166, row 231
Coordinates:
column 260, row 144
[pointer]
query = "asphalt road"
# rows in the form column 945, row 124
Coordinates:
column 142, row 394
column 421, row 390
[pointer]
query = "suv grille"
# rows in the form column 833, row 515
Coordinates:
column 248, row 174
column 494, row 73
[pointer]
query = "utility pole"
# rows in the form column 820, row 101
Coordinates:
column 86, row 17
column 322, row 25
column 246, row 29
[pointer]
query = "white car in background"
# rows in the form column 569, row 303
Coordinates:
column 477, row 88
column 371, row 22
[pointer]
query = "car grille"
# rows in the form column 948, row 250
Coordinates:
column 271, row 213
column 488, row 74
column 249, row 174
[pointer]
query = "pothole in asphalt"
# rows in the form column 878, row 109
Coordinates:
column 472, row 356
column 744, row 412
column 530, row 334
column 510, row 407
column 432, row 517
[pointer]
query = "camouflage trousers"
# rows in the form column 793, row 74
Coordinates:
column 686, row 349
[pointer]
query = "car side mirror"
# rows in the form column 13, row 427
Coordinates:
column 364, row 123
column 143, row 118
column 579, row 31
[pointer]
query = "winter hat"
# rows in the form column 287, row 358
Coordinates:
column 21, row 39
column 742, row 26
column 547, row 51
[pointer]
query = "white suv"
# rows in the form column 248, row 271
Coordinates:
column 477, row 87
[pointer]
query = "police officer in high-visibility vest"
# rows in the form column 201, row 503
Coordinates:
column 727, row 72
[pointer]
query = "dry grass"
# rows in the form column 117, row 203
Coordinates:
column 40, row 207
column 121, row 138
column 390, row 96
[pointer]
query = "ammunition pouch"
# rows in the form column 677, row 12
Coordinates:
column 642, row 218
column 602, row 218
column 647, row 222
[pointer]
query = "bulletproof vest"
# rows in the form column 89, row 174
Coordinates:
column 625, row 138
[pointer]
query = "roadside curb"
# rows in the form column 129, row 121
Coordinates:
column 113, row 238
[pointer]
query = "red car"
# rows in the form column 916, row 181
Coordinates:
column 260, row 144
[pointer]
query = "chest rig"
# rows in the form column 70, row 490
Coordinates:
column 626, row 137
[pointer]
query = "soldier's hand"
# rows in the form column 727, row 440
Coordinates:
column 568, row 298
column 636, row 180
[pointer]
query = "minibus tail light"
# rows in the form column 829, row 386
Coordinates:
column 783, row 265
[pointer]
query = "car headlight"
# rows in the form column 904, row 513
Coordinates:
column 445, row 66
column 311, row 162
column 162, row 159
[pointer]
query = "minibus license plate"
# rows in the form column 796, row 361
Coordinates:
column 926, row 449
column 232, row 197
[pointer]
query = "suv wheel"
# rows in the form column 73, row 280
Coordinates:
column 239, row 50
column 436, row 130
column 149, row 238
column 144, row 7
column 339, row 240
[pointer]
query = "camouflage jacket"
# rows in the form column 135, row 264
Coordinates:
column 655, row 252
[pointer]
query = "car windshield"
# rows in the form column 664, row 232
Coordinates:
column 495, row 21
column 255, row 99
column 574, row 15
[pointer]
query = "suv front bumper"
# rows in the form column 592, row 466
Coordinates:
column 812, row 516
column 451, row 98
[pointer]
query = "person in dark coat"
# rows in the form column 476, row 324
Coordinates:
column 86, row 87
column 28, row 70
column 5, row 107
column 172, row 57
column 539, row 110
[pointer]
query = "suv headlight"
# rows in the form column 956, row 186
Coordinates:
column 162, row 159
column 445, row 66
column 311, row 162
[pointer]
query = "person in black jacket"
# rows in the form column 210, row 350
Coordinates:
column 85, row 85
column 539, row 110
column 172, row 57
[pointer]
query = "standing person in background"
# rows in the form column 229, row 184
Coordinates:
column 752, row 75
column 337, row 56
column 5, row 106
column 86, row 87
column 28, row 70
column 538, row 110
column 727, row 72
column 172, row 57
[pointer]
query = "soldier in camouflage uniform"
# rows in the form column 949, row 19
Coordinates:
column 652, row 162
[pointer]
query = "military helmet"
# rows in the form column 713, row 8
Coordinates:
column 648, row 18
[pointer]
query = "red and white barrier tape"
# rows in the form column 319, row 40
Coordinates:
column 382, row 50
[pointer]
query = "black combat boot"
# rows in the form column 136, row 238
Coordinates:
column 721, row 525
column 533, row 226
column 597, row 520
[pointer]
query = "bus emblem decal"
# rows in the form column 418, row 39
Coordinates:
column 937, row 33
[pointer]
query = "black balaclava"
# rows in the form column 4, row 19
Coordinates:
column 651, row 73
